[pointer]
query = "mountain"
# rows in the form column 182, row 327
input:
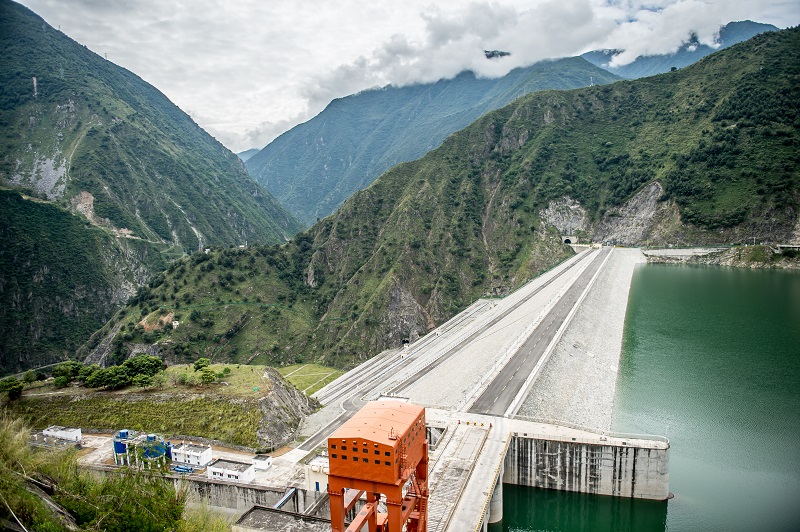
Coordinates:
column 689, row 53
column 315, row 166
column 244, row 155
column 60, row 279
column 707, row 154
column 93, row 137
column 102, row 181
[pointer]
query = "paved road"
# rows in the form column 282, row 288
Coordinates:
column 502, row 391
column 461, row 345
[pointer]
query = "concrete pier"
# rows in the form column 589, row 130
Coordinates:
column 496, row 503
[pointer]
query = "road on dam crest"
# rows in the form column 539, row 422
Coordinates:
column 501, row 392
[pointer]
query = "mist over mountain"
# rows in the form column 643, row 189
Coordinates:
column 245, row 155
column 314, row 167
column 689, row 53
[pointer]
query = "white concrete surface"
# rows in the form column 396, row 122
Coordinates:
column 578, row 383
column 455, row 382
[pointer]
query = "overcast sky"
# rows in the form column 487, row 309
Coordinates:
column 248, row 70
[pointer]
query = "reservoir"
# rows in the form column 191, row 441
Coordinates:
column 711, row 359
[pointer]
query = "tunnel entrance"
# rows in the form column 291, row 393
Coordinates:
column 567, row 241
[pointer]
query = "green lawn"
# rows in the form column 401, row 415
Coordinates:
column 308, row 378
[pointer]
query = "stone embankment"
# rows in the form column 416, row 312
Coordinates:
column 739, row 257
column 578, row 383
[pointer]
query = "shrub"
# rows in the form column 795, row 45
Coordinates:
column 142, row 381
column 201, row 363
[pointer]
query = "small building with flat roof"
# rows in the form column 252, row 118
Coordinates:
column 262, row 461
column 63, row 433
column 317, row 474
column 261, row 518
column 231, row 471
column 191, row 454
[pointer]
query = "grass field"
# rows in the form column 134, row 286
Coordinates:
column 308, row 378
column 242, row 381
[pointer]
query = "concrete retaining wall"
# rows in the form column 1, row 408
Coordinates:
column 238, row 498
column 618, row 470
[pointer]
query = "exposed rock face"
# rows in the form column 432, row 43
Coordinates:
column 283, row 409
column 47, row 176
column 641, row 220
column 739, row 257
column 566, row 215
column 796, row 234
column 407, row 318
column 638, row 219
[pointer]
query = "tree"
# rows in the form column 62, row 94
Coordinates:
column 69, row 369
column 143, row 365
column 13, row 387
column 201, row 363
column 29, row 376
column 112, row 378
column 142, row 381
column 159, row 380
column 86, row 372
column 207, row 376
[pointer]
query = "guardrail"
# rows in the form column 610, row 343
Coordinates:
column 601, row 432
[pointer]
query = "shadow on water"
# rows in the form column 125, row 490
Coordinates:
column 529, row 509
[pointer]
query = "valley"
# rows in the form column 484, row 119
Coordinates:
column 467, row 245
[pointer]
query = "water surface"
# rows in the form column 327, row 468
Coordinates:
column 711, row 358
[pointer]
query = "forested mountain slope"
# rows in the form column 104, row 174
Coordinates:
column 315, row 166
column 93, row 137
column 145, row 184
column 60, row 280
column 706, row 154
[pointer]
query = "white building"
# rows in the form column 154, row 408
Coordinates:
column 317, row 474
column 191, row 454
column 231, row 471
column 262, row 461
column 63, row 433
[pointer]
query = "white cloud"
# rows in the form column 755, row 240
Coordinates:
column 247, row 70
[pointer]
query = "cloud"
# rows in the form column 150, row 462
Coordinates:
column 250, row 69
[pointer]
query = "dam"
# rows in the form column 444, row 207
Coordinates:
column 516, row 391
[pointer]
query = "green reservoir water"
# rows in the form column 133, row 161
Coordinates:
column 711, row 358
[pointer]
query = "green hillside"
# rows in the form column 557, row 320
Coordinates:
column 93, row 137
column 145, row 184
column 719, row 139
column 60, row 280
column 313, row 168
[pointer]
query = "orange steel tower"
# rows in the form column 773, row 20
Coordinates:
column 383, row 449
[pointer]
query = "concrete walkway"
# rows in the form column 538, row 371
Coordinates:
column 578, row 383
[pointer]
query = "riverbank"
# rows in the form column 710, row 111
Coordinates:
column 738, row 257
column 578, row 383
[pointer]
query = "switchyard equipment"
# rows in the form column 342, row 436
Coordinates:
column 382, row 450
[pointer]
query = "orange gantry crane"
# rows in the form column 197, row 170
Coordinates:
column 382, row 450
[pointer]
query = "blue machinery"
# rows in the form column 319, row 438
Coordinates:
column 146, row 449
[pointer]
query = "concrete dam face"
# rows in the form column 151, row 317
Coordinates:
column 617, row 470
